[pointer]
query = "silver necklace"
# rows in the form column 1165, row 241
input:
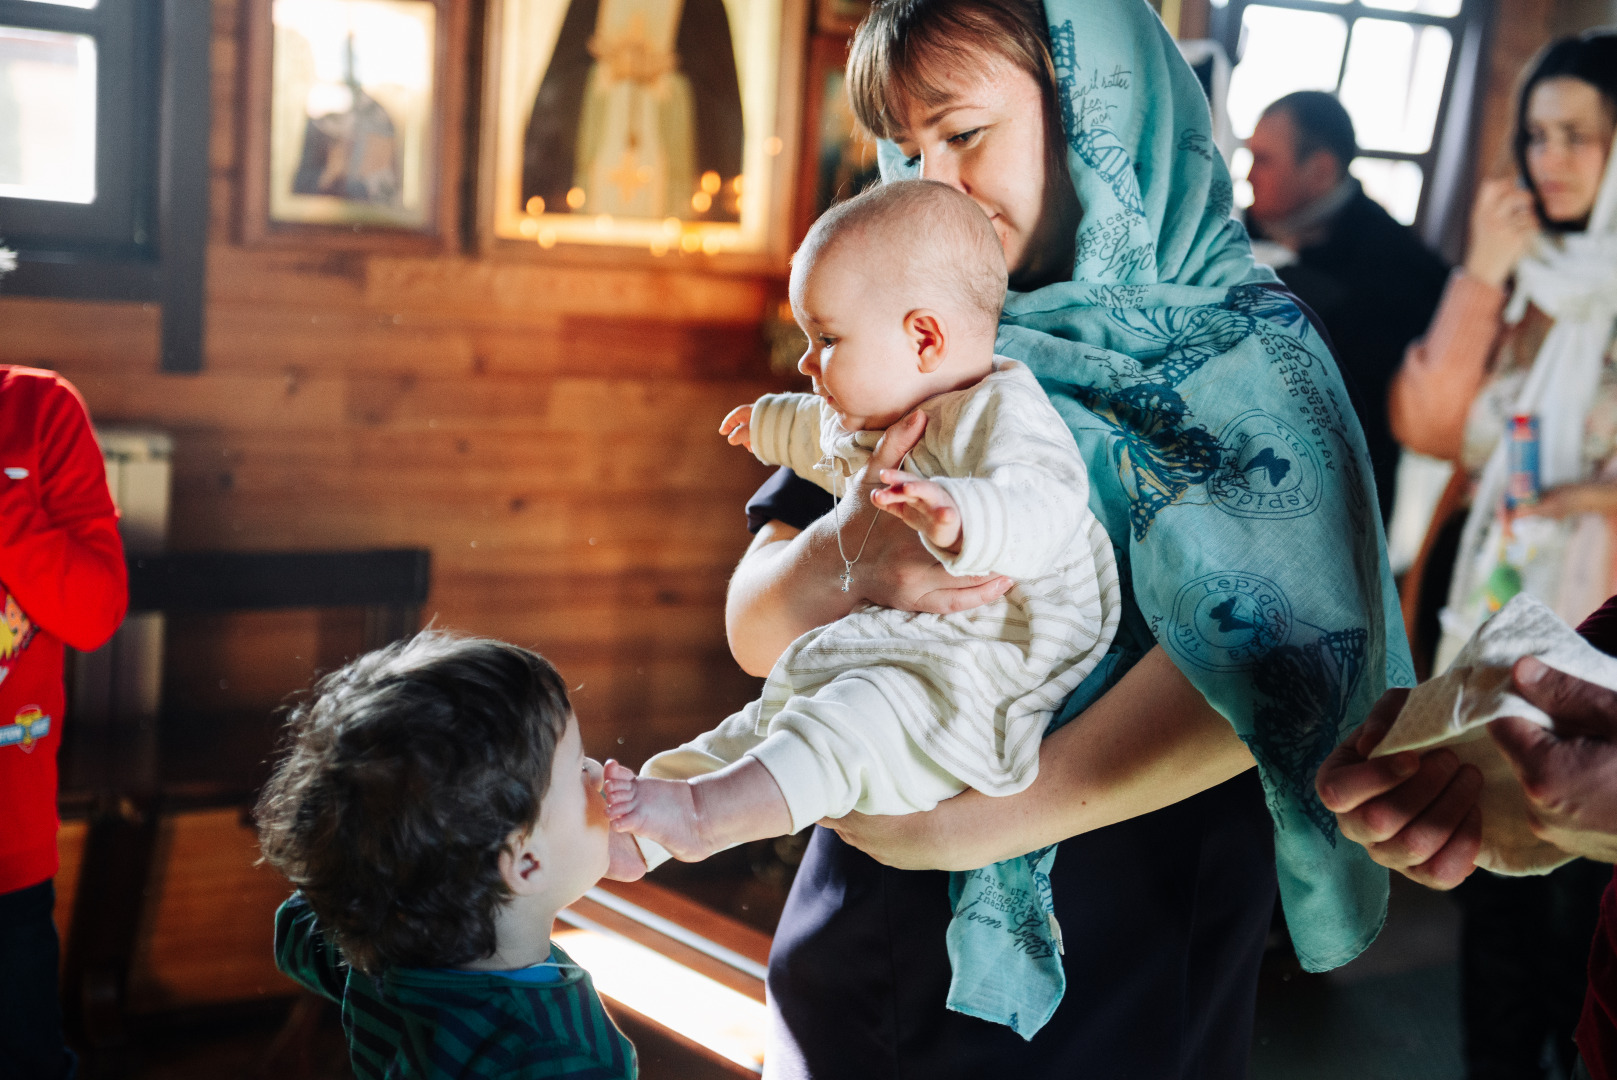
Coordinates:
column 847, row 563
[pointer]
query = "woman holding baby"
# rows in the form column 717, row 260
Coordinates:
column 1259, row 620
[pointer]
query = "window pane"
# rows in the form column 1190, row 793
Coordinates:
column 1282, row 51
column 47, row 115
column 1422, row 7
column 1394, row 184
column 1394, row 83
column 1240, row 166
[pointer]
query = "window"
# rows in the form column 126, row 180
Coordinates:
column 104, row 115
column 75, row 85
column 1392, row 63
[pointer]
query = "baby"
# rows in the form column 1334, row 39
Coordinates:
column 884, row 711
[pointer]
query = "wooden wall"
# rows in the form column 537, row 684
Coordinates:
column 1520, row 29
column 550, row 434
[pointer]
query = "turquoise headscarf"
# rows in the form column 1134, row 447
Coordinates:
column 1228, row 466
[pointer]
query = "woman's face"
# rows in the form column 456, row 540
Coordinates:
column 1569, row 131
column 988, row 139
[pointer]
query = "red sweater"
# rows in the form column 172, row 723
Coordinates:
column 62, row 579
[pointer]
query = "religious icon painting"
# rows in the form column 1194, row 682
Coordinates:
column 641, row 128
column 839, row 159
column 840, row 16
column 349, row 130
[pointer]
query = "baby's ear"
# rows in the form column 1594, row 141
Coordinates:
column 926, row 333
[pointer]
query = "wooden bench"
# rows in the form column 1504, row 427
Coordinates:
column 129, row 784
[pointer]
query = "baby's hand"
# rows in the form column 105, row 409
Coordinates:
column 922, row 505
column 737, row 427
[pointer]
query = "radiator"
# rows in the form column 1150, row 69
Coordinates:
column 117, row 688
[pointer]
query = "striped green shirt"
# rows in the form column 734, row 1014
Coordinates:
column 420, row 1023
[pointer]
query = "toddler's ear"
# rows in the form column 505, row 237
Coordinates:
column 928, row 337
column 519, row 865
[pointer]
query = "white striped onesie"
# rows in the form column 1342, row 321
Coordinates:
column 889, row 712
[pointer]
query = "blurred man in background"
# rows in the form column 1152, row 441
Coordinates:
column 1370, row 279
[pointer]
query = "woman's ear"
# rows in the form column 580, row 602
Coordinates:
column 927, row 335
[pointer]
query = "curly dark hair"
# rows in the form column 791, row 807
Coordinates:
column 405, row 775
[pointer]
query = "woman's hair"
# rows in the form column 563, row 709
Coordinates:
column 1591, row 57
column 406, row 774
column 901, row 48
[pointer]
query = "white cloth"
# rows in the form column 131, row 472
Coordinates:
column 889, row 712
column 1573, row 279
column 1454, row 709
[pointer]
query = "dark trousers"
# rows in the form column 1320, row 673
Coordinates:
column 31, row 1044
column 1524, row 966
column 1164, row 918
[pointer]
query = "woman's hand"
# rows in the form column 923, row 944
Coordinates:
column 1503, row 224
column 1149, row 742
column 1568, row 500
column 896, row 570
column 789, row 581
column 1414, row 813
column 912, row 841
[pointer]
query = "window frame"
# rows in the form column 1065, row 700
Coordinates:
column 119, row 218
column 145, row 237
column 1445, row 165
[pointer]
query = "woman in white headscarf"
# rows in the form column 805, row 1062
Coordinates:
column 1525, row 328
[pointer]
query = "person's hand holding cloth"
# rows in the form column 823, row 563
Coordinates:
column 1507, row 761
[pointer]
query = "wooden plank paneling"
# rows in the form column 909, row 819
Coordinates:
column 1520, row 29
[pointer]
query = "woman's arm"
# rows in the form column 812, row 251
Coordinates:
column 789, row 581
column 1432, row 393
column 1149, row 742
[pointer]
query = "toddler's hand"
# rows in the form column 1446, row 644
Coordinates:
column 737, row 427
column 922, row 505
column 625, row 861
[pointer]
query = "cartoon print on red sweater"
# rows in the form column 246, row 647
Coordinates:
column 26, row 728
column 16, row 631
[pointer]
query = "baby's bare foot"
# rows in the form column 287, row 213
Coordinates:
column 660, row 810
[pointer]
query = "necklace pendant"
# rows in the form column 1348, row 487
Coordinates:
column 847, row 578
